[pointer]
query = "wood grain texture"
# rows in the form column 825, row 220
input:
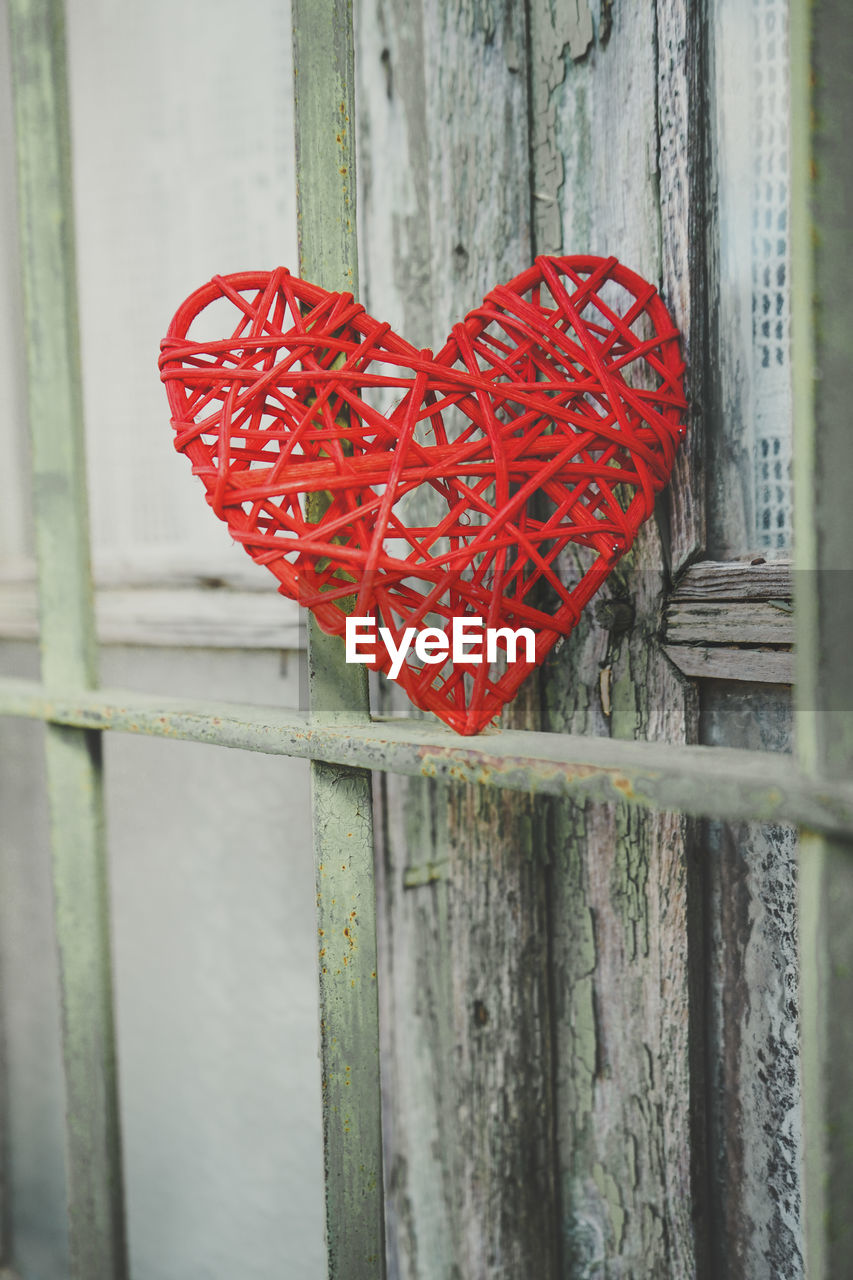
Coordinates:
column 730, row 496
column 468, row 1121
column 754, row 1097
column 445, row 207
column 558, row 34
column 659, row 776
column 623, row 945
column 731, row 622
column 727, row 580
column 722, row 662
column 682, row 89
column 341, row 800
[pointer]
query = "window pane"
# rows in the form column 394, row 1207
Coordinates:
column 182, row 132
column 750, row 422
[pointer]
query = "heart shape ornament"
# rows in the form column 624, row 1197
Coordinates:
column 499, row 480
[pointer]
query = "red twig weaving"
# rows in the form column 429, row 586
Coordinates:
column 500, row 479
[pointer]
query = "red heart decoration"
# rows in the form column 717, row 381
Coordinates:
column 549, row 419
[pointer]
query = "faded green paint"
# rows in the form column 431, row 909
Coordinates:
column 575, row 1000
column 466, row 1018
column 349, row 1035
column 717, row 782
column 627, row 1198
column 629, row 885
column 325, row 142
column 52, row 341
column 609, row 1190
column 97, row 1237
column 340, row 795
column 822, row 320
column 81, row 907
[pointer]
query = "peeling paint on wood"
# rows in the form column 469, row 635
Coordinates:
column 466, row 1038
column 754, row 1105
column 466, row 1016
column 324, row 92
column 626, row 1023
column 654, row 775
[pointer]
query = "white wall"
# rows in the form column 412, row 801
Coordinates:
column 214, row 943
column 183, row 166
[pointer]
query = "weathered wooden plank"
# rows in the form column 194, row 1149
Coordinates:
column 622, row 946
column 754, row 1086
column 729, row 580
column 340, row 796
column 349, row 1031
column 822, row 102
column 682, row 81
column 753, row 1172
column 446, row 215
column 473, row 1082
column 97, row 1235
column 735, row 622
column 720, row 662
column 659, row 775
column 559, row 35
column 750, row 891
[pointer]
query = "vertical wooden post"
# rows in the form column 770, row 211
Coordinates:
column 466, row 1029
column 822, row 99
column 341, row 797
column 74, row 776
column 623, row 944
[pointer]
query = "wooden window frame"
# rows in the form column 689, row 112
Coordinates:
column 338, row 735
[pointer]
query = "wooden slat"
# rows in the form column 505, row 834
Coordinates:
column 722, row 662
column 682, row 68
column 729, row 622
column 466, row 1016
column 97, row 1235
column 753, row 1187
column 754, row 1104
column 715, row 782
column 727, row 580
column 340, row 796
column 732, row 622
column 621, row 891
column 822, row 91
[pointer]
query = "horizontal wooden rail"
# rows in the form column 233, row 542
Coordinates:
column 728, row 621
column 717, row 782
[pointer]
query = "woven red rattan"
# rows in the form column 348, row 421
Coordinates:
column 500, row 479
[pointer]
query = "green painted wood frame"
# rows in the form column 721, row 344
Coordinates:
column 68, row 650
column 341, row 799
column 339, row 736
column 822, row 318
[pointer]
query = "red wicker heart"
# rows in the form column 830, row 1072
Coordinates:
column 500, row 479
